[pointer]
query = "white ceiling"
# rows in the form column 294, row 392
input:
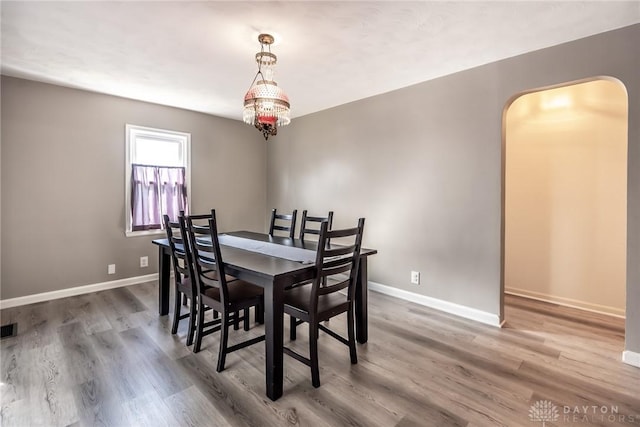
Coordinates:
column 200, row 55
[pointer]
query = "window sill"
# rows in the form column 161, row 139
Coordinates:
column 143, row 233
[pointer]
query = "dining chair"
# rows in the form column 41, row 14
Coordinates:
column 201, row 227
column 208, row 270
column 183, row 286
column 336, row 269
column 307, row 219
column 289, row 221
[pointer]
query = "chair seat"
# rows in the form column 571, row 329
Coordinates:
column 185, row 286
column 214, row 275
column 300, row 298
column 239, row 290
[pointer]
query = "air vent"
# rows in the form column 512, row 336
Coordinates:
column 10, row 330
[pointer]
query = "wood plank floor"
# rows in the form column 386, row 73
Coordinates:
column 108, row 359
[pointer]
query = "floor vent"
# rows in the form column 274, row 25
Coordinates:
column 10, row 330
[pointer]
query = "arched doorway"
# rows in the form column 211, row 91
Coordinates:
column 565, row 195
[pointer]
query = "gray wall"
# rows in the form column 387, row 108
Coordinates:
column 63, row 158
column 423, row 165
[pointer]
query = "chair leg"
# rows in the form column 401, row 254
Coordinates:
column 176, row 312
column 236, row 320
column 199, row 327
column 260, row 313
column 215, row 314
column 313, row 354
column 246, row 319
column 224, row 336
column 184, row 299
column 351, row 335
column 292, row 328
column 192, row 321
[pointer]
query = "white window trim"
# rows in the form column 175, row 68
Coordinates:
column 162, row 133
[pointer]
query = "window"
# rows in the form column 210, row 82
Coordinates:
column 157, row 177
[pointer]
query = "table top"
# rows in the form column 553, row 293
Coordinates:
column 265, row 266
column 280, row 240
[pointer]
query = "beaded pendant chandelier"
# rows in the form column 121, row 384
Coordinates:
column 266, row 106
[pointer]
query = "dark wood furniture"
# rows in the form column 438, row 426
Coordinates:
column 201, row 227
column 273, row 275
column 209, row 275
column 283, row 222
column 336, row 270
column 307, row 221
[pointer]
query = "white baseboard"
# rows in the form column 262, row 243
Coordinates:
column 568, row 302
column 438, row 304
column 631, row 358
column 78, row 290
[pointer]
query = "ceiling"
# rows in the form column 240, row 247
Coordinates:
column 200, row 55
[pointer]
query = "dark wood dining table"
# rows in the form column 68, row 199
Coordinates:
column 273, row 274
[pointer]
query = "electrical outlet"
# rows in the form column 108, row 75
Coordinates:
column 144, row 261
column 111, row 269
column 415, row 277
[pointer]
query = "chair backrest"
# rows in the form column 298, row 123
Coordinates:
column 177, row 236
column 289, row 221
column 208, row 267
column 337, row 265
column 201, row 223
column 177, row 244
column 307, row 221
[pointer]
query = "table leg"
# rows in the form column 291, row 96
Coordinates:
column 164, row 267
column 274, row 325
column 362, row 287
